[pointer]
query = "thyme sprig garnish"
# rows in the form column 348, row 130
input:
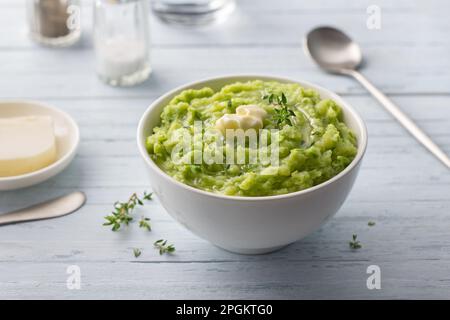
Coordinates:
column 354, row 243
column 163, row 247
column 282, row 114
column 122, row 214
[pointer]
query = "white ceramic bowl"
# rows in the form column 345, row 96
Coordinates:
column 67, row 141
column 251, row 225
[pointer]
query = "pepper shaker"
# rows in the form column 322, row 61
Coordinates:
column 54, row 22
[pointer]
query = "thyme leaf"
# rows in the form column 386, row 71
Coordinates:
column 354, row 243
column 163, row 247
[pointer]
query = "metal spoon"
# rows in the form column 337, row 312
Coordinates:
column 49, row 209
column 336, row 53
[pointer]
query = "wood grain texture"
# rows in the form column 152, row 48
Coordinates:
column 401, row 187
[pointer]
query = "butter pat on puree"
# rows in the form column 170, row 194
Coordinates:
column 246, row 117
column 27, row 144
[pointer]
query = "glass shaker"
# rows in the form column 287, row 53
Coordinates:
column 54, row 22
column 122, row 41
column 193, row 12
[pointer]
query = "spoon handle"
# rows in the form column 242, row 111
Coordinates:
column 49, row 209
column 402, row 118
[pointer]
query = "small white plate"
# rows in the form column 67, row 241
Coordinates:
column 67, row 141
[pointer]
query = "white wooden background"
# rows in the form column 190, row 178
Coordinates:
column 401, row 187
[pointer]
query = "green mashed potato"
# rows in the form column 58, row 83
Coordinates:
column 314, row 145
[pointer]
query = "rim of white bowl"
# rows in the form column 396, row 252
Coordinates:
column 362, row 141
column 64, row 158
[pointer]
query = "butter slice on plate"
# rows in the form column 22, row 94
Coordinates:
column 27, row 144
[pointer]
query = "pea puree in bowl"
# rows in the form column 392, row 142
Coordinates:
column 313, row 142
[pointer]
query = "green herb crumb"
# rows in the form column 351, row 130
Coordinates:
column 355, row 244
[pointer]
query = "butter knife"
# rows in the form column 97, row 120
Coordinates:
column 54, row 208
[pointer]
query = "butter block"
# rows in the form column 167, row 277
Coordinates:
column 27, row 144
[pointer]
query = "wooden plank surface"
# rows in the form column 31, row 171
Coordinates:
column 401, row 187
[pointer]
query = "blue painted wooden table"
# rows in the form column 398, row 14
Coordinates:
column 401, row 186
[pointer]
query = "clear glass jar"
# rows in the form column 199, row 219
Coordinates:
column 192, row 12
column 54, row 22
column 122, row 41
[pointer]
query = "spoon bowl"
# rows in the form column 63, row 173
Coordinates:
column 333, row 50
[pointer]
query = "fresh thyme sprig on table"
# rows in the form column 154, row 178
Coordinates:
column 162, row 246
column 355, row 244
column 282, row 114
column 122, row 214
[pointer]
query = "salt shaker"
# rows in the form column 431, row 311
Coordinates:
column 121, row 41
column 54, row 22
